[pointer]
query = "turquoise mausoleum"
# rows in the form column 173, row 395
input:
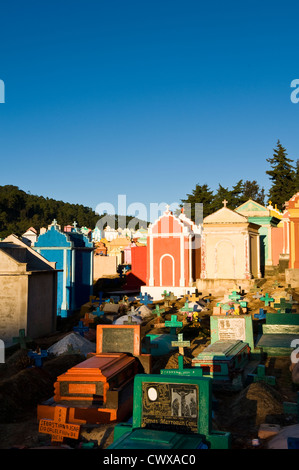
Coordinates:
column 73, row 254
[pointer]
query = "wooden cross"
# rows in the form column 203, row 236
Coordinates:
column 186, row 308
column 193, row 298
column 173, row 324
column 88, row 318
column 261, row 315
column 262, row 377
column 148, row 345
column 21, row 339
column 283, row 306
column 267, row 299
column 181, row 344
column 80, row 328
column 234, row 296
column 58, row 427
column 157, row 311
column 38, row 356
column 145, row 299
column 224, row 202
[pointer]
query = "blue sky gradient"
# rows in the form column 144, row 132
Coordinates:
column 144, row 98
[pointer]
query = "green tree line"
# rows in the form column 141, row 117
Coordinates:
column 284, row 177
column 20, row 210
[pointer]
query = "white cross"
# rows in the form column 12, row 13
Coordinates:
column 224, row 202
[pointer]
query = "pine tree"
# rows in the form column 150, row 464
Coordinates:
column 282, row 176
column 201, row 195
column 252, row 190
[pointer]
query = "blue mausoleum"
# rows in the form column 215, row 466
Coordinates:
column 73, row 253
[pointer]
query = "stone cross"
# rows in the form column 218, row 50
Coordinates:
column 224, row 202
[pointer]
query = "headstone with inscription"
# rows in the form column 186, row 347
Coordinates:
column 170, row 413
column 229, row 354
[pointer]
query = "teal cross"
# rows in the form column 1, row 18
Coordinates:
column 173, row 324
column 186, row 308
column 21, row 339
column 262, row 377
column 157, row 311
column 267, row 299
column 234, row 296
column 148, row 345
column 283, row 306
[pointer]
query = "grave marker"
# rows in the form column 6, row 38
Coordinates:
column 267, row 299
column 173, row 324
column 59, row 428
column 88, row 318
column 261, row 376
column 21, row 339
column 81, row 329
column 170, row 413
column 148, row 345
column 181, row 344
column 261, row 315
column 38, row 356
column 283, row 306
column 145, row 299
column 234, row 296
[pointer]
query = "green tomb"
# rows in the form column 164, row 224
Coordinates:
column 278, row 333
column 170, row 412
column 232, row 354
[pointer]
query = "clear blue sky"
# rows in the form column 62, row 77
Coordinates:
column 144, row 98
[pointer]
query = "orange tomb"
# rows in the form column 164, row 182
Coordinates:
column 100, row 389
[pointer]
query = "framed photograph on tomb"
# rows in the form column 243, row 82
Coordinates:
column 118, row 339
column 171, row 406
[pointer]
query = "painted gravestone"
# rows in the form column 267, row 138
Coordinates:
column 170, row 413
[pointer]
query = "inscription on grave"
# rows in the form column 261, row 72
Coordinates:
column 231, row 328
column 170, row 406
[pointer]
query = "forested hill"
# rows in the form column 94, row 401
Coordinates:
column 20, row 210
